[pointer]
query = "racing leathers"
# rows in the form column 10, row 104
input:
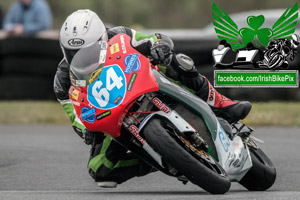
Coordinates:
column 108, row 160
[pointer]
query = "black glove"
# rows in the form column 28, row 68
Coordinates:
column 161, row 53
column 88, row 137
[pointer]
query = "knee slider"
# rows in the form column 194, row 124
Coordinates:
column 184, row 65
column 185, row 62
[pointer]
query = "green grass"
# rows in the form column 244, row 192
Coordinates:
column 32, row 112
column 274, row 114
column 51, row 112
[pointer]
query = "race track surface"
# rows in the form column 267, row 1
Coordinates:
column 48, row 162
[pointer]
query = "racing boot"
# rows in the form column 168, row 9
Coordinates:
column 223, row 107
column 182, row 68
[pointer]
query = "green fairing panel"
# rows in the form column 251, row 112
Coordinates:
column 189, row 100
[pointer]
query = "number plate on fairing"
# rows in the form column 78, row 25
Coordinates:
column 109, row 90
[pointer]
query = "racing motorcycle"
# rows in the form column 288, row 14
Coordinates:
column 115, row 90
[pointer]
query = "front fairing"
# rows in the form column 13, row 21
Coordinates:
column 103, row 102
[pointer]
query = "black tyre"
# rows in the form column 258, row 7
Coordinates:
column 197, row 172
column 262, row 174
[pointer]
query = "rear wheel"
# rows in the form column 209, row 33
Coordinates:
column 262, row 174
column 208, row 175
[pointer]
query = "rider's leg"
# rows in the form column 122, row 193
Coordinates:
column 110, row 163
column 183, row 69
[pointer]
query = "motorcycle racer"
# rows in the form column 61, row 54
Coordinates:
column 110, row 164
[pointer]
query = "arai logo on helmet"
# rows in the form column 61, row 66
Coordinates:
column 76, row 42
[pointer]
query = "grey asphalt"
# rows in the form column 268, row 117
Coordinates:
column 49, row 162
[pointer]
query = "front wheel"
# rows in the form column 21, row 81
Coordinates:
column 211, row 180
column 262, row 174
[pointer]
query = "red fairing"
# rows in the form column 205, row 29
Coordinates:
column 126, row 75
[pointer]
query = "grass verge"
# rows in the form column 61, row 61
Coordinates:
column 51, row 112
column 32, row 112
column 274, row 114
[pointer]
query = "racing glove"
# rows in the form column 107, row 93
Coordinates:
column 93, row 138
column 161, row 53
column 88, row 137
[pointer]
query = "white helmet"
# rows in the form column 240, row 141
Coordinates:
column 81, row 29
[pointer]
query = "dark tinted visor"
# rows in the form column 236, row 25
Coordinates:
column 69, row 54
column 87, row 64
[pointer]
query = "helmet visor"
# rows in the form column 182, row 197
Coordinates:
column 87, row 64
column 69, row 54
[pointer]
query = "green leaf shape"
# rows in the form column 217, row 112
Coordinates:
column 247, row 35
column 225, row 27
column 264, row 35
column 255, row 22
column 285, row 26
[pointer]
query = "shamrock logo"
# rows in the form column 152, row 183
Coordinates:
column 227, row 29
column 255, row 33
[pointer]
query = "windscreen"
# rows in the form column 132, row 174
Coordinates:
column 87, row 64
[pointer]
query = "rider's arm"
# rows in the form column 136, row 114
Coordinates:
column 139, row 41
column 185, row 75
column 142, row 42
column 61, row 88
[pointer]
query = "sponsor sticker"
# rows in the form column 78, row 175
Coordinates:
column 75, row 103
column 159, row 104
column 118, row 99
column 132, row 63
column 103, row 115
column 135, row 131
column 95, row 75
column 185, row 92
column 239, row 163
column 103, row 44
column 114, row 48
column 76, row 42
column 131, row 81
column 88, row 114
column 224, row 139
column 123, row 46
column 80, row 83
column 102, row 56
column 75, row 94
